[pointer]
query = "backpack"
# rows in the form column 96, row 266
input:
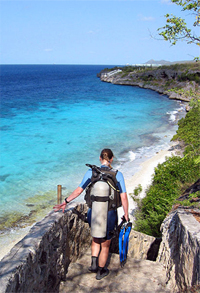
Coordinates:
column 107, row 175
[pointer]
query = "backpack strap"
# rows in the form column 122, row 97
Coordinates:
column 99, row 198
column 104, row 176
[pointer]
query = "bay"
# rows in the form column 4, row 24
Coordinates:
column 56, row 118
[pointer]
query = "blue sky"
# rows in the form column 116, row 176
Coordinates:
column 113, row 32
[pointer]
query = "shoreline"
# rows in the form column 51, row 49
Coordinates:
column 158, row 83
column 143, row 176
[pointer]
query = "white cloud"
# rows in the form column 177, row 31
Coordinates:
column 91, row 32
column 146, row 18
column 48, row 50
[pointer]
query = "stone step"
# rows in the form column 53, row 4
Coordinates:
column 142, row 276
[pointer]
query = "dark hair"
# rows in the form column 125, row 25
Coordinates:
column 107, row 154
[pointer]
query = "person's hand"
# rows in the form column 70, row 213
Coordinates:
column 125, row 218
column 58, row 207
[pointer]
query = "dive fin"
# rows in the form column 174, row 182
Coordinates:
column 124, row 241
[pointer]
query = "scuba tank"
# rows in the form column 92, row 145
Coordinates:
column 102, row 195
column 99, row 209
column 107, row 175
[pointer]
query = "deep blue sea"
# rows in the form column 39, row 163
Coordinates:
column 56, row 118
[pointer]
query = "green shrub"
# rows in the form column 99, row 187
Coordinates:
column 172, row 177
column 189, row 77
column 189, row 128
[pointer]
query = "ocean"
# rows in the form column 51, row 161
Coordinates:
column 57, row 118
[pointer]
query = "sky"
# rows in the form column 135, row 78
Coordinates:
column 112, row 32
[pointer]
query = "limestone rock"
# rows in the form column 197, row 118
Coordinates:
column 164, row 81
column 180, row 249
column 40, row 260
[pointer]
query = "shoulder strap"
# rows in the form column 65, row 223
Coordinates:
column 103, row 172
column 94, row 167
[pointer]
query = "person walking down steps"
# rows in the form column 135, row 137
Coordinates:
column 105, row 192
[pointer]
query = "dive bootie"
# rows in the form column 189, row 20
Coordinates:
column 101, row 273
column 94, row 265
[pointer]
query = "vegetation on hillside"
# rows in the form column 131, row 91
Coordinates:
column 182, row 79
column 189, row 71
column 172, row 177
column 185, row 68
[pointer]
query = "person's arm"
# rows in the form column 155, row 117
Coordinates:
column 123, row 194
column 72, row 196
column 124, row 200
column 76, row 192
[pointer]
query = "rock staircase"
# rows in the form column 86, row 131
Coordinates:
column 142, row 276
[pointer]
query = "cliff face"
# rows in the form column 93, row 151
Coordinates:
column 180, row 249
column 176, row 84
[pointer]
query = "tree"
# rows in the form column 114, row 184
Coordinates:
column 176, row 27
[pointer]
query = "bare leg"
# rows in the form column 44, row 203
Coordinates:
column 105, row 244
column 96, row 245
column 103, row 256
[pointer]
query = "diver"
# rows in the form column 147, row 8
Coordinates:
column 102, row 216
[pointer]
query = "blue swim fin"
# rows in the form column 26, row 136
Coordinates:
column 124, row 241
column 121, row 235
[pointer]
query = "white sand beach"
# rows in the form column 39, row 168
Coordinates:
column 143, row 177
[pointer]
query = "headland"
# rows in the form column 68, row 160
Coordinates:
column 178, row 81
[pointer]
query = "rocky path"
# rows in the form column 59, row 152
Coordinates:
column 142, row 276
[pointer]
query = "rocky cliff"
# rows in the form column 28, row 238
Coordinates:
column 182, row 84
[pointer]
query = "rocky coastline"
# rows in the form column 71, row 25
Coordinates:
column 180, row 84
column 50, row 257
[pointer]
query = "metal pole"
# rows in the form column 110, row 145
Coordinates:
column 59, row 194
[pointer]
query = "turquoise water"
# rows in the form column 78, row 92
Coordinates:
column 57, row 118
